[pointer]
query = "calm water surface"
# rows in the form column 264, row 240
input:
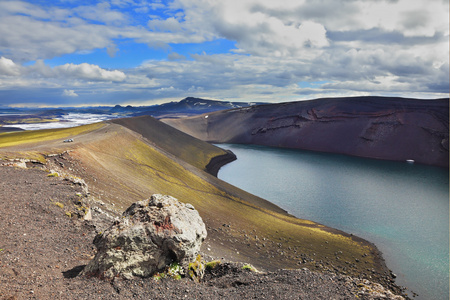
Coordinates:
column 402, row 208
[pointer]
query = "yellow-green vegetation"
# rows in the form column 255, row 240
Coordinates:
column 83, row 209
column 212, row 264
column 196, row 269
column 54, row 174
column 59, row 204
column 129, row 167
column 39, row 136
column 249, row 267
column 29, row 121
column 135, row 169
column 159, row 276
column 69, row 214
column 31, row 155
column 174, row 271
column 183, row 146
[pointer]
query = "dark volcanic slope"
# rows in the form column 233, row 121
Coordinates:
column 375, row 127
column 175, row 142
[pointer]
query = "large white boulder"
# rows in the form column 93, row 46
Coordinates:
column 151, row 234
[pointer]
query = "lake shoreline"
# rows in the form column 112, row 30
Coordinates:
column 218, row 162
column 388, row 277
column 356, row 195
column 76, row 235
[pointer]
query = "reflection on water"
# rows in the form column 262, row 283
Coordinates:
column 402, row 208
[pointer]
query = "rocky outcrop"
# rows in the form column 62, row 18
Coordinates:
column 151, row 234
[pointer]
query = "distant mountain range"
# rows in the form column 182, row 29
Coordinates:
column 187, row 107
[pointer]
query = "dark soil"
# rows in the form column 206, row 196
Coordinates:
column 9, row 129
column 43, row 248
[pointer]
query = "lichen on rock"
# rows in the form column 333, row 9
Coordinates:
column 152, row 234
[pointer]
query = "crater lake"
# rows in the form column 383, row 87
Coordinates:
column 402, row 208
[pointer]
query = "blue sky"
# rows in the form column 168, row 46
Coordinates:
column 140, row 52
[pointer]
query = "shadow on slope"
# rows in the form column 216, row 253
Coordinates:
column 175, row 142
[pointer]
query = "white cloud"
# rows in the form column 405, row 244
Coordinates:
column 112, row 50
column 255, row 31
column 84, row 77
column 101, row 12
column 69, row 93
column 29, row 32
column 8, row 67
column 89, row 72
column 169, row 25
column 353, row 46
column 28, row 39
column 175, row 56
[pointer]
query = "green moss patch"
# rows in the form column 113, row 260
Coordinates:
column 35, row 136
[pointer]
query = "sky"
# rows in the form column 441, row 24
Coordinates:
column 141, row 52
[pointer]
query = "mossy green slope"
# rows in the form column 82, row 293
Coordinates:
column 35, row 144
column 171, row 140
column 135, row 170
column 122, row 166
column 39, row 136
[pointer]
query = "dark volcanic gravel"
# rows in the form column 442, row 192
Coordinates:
column 42, row 250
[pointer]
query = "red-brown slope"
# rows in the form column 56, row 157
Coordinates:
column 375, row 127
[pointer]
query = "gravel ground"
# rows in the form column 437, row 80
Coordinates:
column 43, row 247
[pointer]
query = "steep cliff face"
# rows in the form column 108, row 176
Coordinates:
column 375, row 127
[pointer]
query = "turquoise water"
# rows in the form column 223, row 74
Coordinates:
column 403, row 208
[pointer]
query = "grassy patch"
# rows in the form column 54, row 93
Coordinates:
column 34, row 136
column 184, row 146
column 174, row 271
column 31, row 155
column 128, row 169
column 212, row 264
column 28, row 121
column 133, row 165
column 159, row 276
column 249, row 267
column 196, row 269
column 59, row 204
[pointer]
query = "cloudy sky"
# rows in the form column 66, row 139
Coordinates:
column 141, row 52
